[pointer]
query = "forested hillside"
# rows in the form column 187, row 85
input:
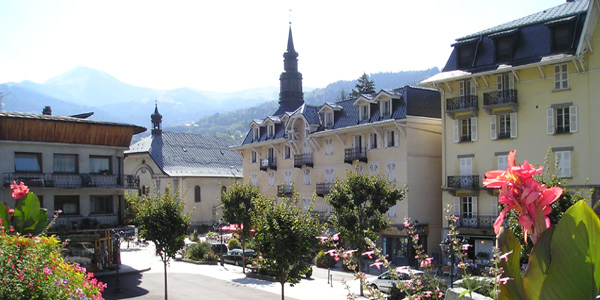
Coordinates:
column 235, row 123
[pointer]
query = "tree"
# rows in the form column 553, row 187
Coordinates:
column 343, row 95
column 237, row 205
column 286, row 236
column 162, row 221
column 360, row 204
column 364, row 86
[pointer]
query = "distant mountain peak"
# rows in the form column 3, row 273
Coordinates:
column 80, row 73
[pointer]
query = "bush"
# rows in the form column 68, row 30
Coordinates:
column 483, row 287
column 234, row 244
column 211, row 235
column 211, row 257
column 324, row 260
column 194, row 236
column 34, row 269
column 251, row 244
column 198, row 251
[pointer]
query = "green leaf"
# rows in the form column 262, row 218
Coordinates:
column 575, row 270
column 539, row 263
column 41, row 224
column 463, row 293
column 27, row 213
column 513, row 289
column 5, row 216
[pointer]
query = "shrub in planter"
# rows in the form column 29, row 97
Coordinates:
column 198, row 251
column 234, row 244
column 211, row 257
column 324, row 260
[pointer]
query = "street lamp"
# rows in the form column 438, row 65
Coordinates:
column 117, row 243
column 448, row 249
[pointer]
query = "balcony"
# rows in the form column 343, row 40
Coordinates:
column 500, row 99
column 355, row 153
column 323, row 188
column 268, row 163
column 461, row 104
column 476, row 222
column 285, row 190
column 79, row 222
column 464, row 182
column 301, row 160
column 69, row 181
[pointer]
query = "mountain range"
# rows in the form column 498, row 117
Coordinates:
column 83, row 89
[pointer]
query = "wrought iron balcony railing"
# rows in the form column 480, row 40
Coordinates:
column 461, row 103
column 323, row 188
column 468, row 182
column 355, row 153
column 303, row 160
column 268, row 163
column 476, row 222
column 284, row 190
column 60, row 181
column 500, row 98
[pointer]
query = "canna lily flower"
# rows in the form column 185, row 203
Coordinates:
column 521, row 192
column 19, row 190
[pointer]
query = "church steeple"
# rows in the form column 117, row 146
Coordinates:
column 156, row 121
column 290, row 93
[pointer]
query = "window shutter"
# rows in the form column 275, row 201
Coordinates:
column 474, row 129
column 455, row 130
column 550, row 120
column 474, row 199
column 493, row 134
column 473, row 88
column 511, row 81
column 513, row 125
column 461, row 89
column 499, row 85
column 566, row 163
column 573, row 118
column 456, row 207
column 494, row 206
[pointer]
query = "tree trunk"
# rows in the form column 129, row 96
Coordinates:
column 282, row 293
column 165, row 264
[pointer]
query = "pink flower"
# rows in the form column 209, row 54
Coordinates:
column 47, row 271
column 521, row 192
column 406, row 222
column 505, row 256
column 502, row 280
column 465, row 247
column 336, row 237
column 349, row 253
column 323, row 239
column 19, row 191
column 369, row 254
column 377, row 265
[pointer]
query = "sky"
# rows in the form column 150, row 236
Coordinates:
column 234, row 45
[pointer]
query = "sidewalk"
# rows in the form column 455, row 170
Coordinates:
column 133, row 260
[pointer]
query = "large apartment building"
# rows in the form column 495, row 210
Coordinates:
column 531, row 84
column 72, row 164
column 392, row 133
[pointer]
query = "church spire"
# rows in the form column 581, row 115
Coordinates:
column 156, row 121
column 290, row 93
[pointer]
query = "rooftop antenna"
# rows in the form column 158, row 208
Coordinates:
column 2, row 95
column 290, row 16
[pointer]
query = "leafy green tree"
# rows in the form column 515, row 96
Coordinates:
column 163, row 222
column 360, row 204
column 237, row 205
column 364, row 86
column 286, row 236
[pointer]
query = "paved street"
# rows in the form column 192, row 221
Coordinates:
column 191, row 281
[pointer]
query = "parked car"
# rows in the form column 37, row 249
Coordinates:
column 81, row 249
column 219, row 249
column 385, row 281
column 234, row 256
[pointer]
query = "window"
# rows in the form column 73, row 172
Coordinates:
column 287, row 152
column 465, row 130
column 28, row 162
column 503, row 49
column 503, row 126
column 271, row 155
column 390, row 138
column 254, row 179
column 465, row 56
column 561, row 77
column 561, row 118
column 505, row 83
column 253, row 157
column 373, row 141
column 502, row 162
column 391, row 172
column 329, row 119
column 466, row 166
column 270, row 130
column 255, row 134
column 197, row 195
column 306, row 176
column 68, row 204
column 100, row 165
column 65, row 163
column 466, row 210
column 494, row 203
column 386, row 108
column 288, row 178
column 329, row 176
column 373, row 169
column 101, row 204
column 467, row 88
column 271, row 179
column 563, row 163
column 328, row 146
column 357, row 143
column 561, row 37
column 364, row 112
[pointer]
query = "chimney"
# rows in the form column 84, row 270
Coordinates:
column 47, row 111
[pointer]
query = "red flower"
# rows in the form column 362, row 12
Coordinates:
column 519, row 191
column 19, row 191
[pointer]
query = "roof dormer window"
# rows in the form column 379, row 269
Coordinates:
column 386, row 108
column 255, row 133
column 329, row 119
column 504, row 44
column 364, row 113
column 561, row 34
column 270, row 130
column 465, row 56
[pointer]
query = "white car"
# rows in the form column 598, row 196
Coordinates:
column 386, row 281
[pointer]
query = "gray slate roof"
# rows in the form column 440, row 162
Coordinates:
column 190, row 155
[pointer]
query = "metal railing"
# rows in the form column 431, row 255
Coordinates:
column 500, row 98
column 80, row 222
column 461, row 103
column 355, row 153
column 268, row 163
column 477, row 222
column 284, row 190
column 323, row 188
column 463, row 182
column 57, row 180
column 303, row 160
